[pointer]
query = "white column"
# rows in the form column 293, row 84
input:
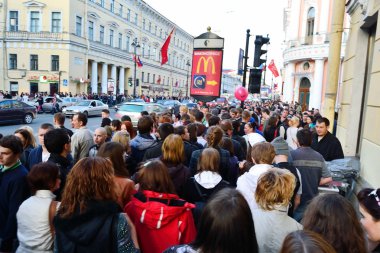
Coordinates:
column 113, row 73
column 323, row 20
column 316, row 87
column 289, row 82
column 121, row 80
column 104, row 77
column 94, row 77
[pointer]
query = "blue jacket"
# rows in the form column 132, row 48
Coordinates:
column 35, row 157
column 13, row 191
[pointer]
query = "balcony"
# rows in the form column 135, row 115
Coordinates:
column 25, row 35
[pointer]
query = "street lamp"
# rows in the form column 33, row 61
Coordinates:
column 136, row 45
column 187, row 76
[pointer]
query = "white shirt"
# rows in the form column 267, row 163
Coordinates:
column 33, row 226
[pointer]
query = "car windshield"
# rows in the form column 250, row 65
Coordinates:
column 84, row 103
column 220, row 100
column 131, row 108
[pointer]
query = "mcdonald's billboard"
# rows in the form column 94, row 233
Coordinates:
column 206, row 74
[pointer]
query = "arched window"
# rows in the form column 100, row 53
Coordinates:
column 310, row 22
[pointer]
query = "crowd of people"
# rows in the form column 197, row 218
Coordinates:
column 220, row 179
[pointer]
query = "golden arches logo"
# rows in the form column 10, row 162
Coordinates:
column 205, row 64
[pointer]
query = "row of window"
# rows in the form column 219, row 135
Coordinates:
column 161, row 80
column 147, row 26
column 54, row 66
column 35, row 22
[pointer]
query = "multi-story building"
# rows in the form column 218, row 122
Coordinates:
column 307, row 26
column 230, row 80
column 87, row 46
column 359, row 110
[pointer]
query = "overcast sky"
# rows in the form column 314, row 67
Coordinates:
column 230, row 20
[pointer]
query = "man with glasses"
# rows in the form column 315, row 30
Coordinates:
column 58, row 143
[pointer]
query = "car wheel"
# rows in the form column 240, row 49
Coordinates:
column 86, row 113
column 28, row 118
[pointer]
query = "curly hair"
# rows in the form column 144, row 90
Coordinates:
column 333, row 217
column 90, row 179
column 275, row 187
column 173, row 150
column 214, row 136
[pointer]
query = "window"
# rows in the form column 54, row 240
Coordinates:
column 127, row 43
column 142, row 76
column 34, row 21
column 160, row 33
column 78, row 26
column 112, row 5
column 111, row 37
column 154, row 78
column 129, row 14
column 12, row 61
column 310, row 22
column 102, row 3
column 143, row 24
column 13, row 21
column 148, row 78
column 143, row 49
column 55, row 63
column 33, row 62
column 136, row 18
column 120, row 10
column 150, row 26
column 91, row 30
column 55, row 22
column 148, row 52
column 101, row 34
column 155, row 30
column 120, row 40
column 155, row 53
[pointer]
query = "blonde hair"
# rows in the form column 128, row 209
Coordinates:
column 209, row 160
column 123, row 138
column 183, row 109
column 294, row 121
column 173, row 150
column 263, row 153
column 31, row 132
column 275, row 187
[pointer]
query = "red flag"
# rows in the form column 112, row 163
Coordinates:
column 164, row 49
column 273, row 69
column 138, row 61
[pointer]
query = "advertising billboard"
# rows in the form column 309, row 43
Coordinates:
column 240, row 62
column 206, row 74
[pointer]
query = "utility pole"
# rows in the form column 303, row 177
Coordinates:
column 334, row 59
column 246, row 57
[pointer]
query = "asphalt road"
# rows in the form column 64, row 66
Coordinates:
column 93, row 123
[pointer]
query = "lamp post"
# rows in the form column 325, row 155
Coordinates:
column 136, row 45
column 187, row 76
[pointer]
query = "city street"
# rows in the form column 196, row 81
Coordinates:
column 93, row 123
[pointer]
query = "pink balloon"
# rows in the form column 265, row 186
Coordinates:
column 241, row 93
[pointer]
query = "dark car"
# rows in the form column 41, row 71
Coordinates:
column 13, row 110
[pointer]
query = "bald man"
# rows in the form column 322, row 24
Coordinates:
column 100, row 137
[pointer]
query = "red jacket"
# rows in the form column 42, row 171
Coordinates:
column 161, row 220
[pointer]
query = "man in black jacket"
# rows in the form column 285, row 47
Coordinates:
column 325, row 143
column 164, row 130
column 58, row 143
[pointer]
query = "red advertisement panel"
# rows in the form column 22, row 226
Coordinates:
column 206, row 73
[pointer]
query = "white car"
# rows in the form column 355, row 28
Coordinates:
column 88, row 107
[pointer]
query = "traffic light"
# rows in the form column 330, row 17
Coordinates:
column 130, row 83
column 259, row 42
column 254, row 81
column 137, row 82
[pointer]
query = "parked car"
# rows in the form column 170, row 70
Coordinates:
column 134, row 109
column 48, row 103
column 88, row 107
column 222, row 101
column 171, row 104
column 13, row 110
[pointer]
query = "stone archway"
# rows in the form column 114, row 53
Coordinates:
column 304, row 93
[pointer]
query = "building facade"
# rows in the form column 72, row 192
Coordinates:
column 307, row 26
column 230, row 80
column 359, row 110
column 87, row 46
